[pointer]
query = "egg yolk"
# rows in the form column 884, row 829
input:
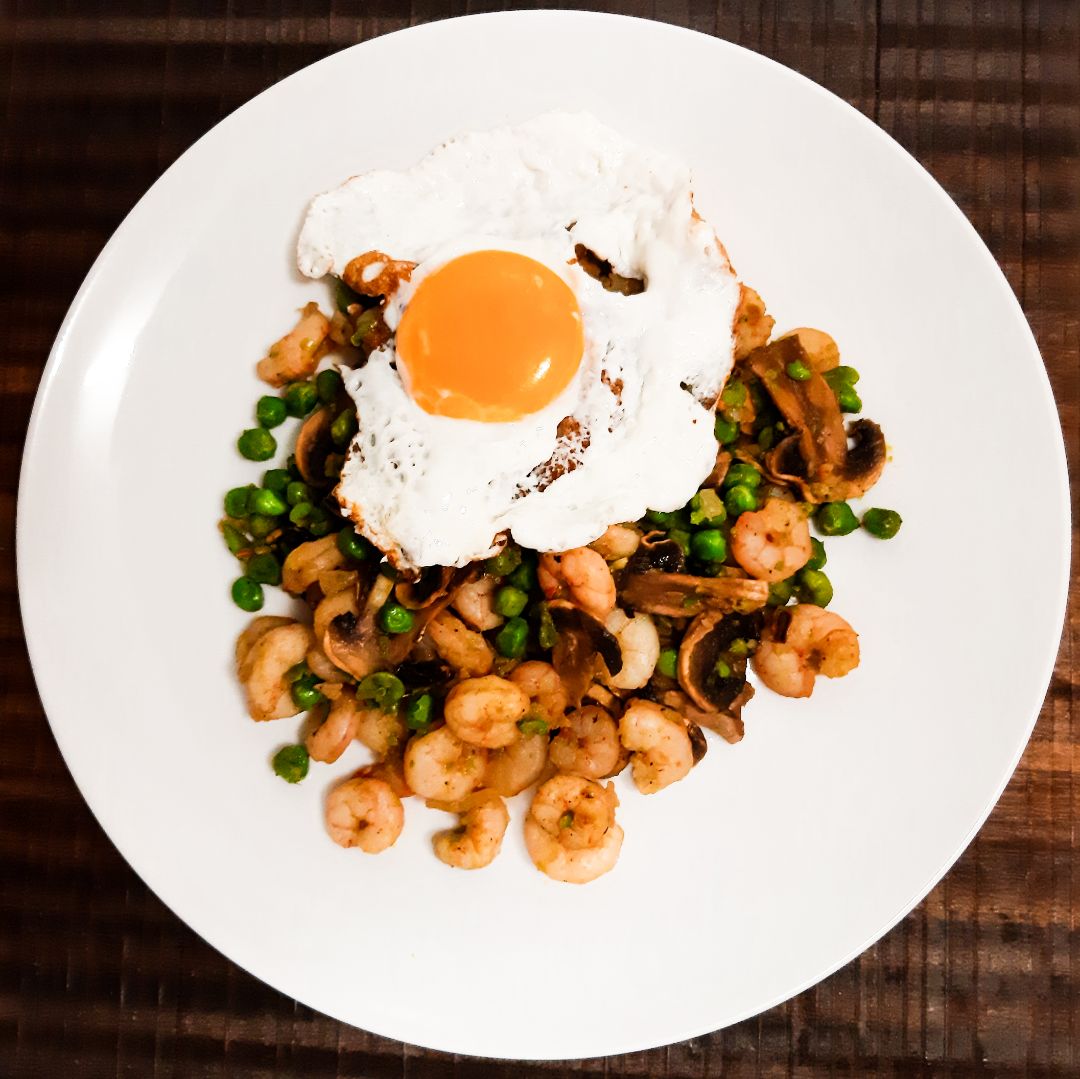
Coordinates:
column 490, row 336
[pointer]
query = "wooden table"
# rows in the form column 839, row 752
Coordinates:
column 97, row 978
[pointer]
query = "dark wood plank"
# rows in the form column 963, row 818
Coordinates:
column 96, row 977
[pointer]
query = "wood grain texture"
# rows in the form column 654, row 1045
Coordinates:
column 97, row 978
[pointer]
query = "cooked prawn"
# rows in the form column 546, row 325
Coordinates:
column 619, row 541
column 332, row 737
column 440, row 765
column 660, row 744
column 297, row 354
column 464, row 649
column 304, row 564
column 476, row 840
column 364, row 813
column 475, row 602
column 585, row 574
column 772, row 543
column 263, row 664
column 380, row 731
column 516, row 766
column 570, row 832
column 639, row 644
column 544, row 688
column 485, row 711
column 587, row 745
column 803, row 642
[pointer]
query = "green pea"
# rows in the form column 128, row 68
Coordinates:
column 264, row 568
column 740, row 474
column 237, row 501
column 734, row 395
column 707, row 508
column 798, row 371
column 533, row 725
column 301, row 512
column 247, row 594
column 668, row 662
column 364, row 325
column 394, row 618
column 296, row 672
column 849, row 400
column 418, row 711
column 839, row 377
column 270, row 411
column 296, row 492
column 882, row 523
column 547, row 636
column 682, row 537
column 352, row 545
column 257, row 444
column 709, row 545
column 382, row 689
column 739, row 647
column 835, row 519
column 818, row 558
column 510, row 640
column 343, row 428
column 510, row 601
column 291, row 763
column 267, row 503
column 663, row 518
column 726, row 432
column 327, row 384
column 506, row 561
column 524, row 577
column 723, row 669
column 304, row 693
column 319, row 523
column 780, row 593
column 300, row 398
column 739, row 499
column 276, row 480
column 815, row 587
column 261, row 526
column 766, row 437
column 234, row 538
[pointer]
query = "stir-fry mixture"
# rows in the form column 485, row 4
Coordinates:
column 546, row 670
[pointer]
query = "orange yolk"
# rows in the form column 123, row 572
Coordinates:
column 491, row 336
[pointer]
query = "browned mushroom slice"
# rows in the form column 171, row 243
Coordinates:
column 677, row 595
column 817, row 459
column 432, row 585
column 751, row 326
column 698, row 746
column 706, row 640
column 719, row 469
column 314, row 445
column 728, row 724
column 602, row 271
column 583, row 643
column 657, row 551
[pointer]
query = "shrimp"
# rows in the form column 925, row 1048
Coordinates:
column 478, row 837
column 803, row 642
column 332, row 737
column 586, row 576
column 265, row 653
column 751, row 325
column 639, row 644
column 440, row 765
column 660, row 744
column 773, row 543
column 297, row 354
column 588, row 745
column 570, row 832
column 516, row 766
column 364, row 813
column 619, row 541
column 545, row 690
column 464, row 649
column 485, row 711
column 475, row 602
column 304, row 565
column 380, row 731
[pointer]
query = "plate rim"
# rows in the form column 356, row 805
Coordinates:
column 26, row 579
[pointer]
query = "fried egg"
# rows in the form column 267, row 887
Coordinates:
column 517, row 394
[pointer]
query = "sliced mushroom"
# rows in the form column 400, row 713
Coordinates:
column 429, row 587
column 314, row 445
column 657, row 551
column 708, row 637
column 678, row 595
column 719, row 469
column 352, row 641
column 583, row 642
column 817, row 459
column 698, row 746
column 821, row 350
column 728, row 724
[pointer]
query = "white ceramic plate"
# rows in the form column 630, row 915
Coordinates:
column 777, row 860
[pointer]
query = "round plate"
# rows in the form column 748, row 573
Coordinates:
column 778, row 859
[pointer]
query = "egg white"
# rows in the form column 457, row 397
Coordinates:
column 430, row 490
